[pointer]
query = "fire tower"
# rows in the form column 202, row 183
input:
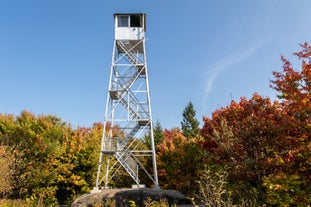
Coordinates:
column 128, row 120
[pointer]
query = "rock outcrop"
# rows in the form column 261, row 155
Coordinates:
column 123, row 197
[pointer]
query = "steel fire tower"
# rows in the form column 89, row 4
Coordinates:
column 128, row 119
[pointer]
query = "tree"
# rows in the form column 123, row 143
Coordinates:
column 50, row 162
column 246, row 136
column 269, row 148
column 294, row 86
column 290, row 183
column 190, row 125
column 158, row 133
column 7, row 161
column 179, row 161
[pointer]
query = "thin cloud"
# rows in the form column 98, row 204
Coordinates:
column 224, row 64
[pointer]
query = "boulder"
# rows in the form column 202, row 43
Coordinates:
column 123, row 197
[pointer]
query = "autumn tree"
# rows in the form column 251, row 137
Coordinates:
column 246, row 136
column 179, row 161
column 265, row 144
column 53, row 162
column 189, row 124
column 290, row 183
column 74, row 164
column 294, row 86
column 37, row 149
column 7, row 161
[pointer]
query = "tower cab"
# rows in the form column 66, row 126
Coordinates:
column 131, row 26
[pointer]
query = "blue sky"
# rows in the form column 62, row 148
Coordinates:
column 55, row 55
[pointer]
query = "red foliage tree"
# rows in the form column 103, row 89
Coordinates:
column 264, row 143
column 246, row 137
column 294, row 87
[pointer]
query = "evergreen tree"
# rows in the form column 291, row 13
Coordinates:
column 158, row 133
column 190, row 125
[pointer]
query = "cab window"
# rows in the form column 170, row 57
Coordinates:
column 123, row 21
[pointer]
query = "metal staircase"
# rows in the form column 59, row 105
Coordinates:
column 122, row 144
column 129, row 164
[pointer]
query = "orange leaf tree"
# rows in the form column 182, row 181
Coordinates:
column 290, row 183
column 178, row 160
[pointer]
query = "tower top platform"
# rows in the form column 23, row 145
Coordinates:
column 130, row 26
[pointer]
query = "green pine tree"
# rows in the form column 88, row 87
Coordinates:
column 158, row 133
column 190, row 125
